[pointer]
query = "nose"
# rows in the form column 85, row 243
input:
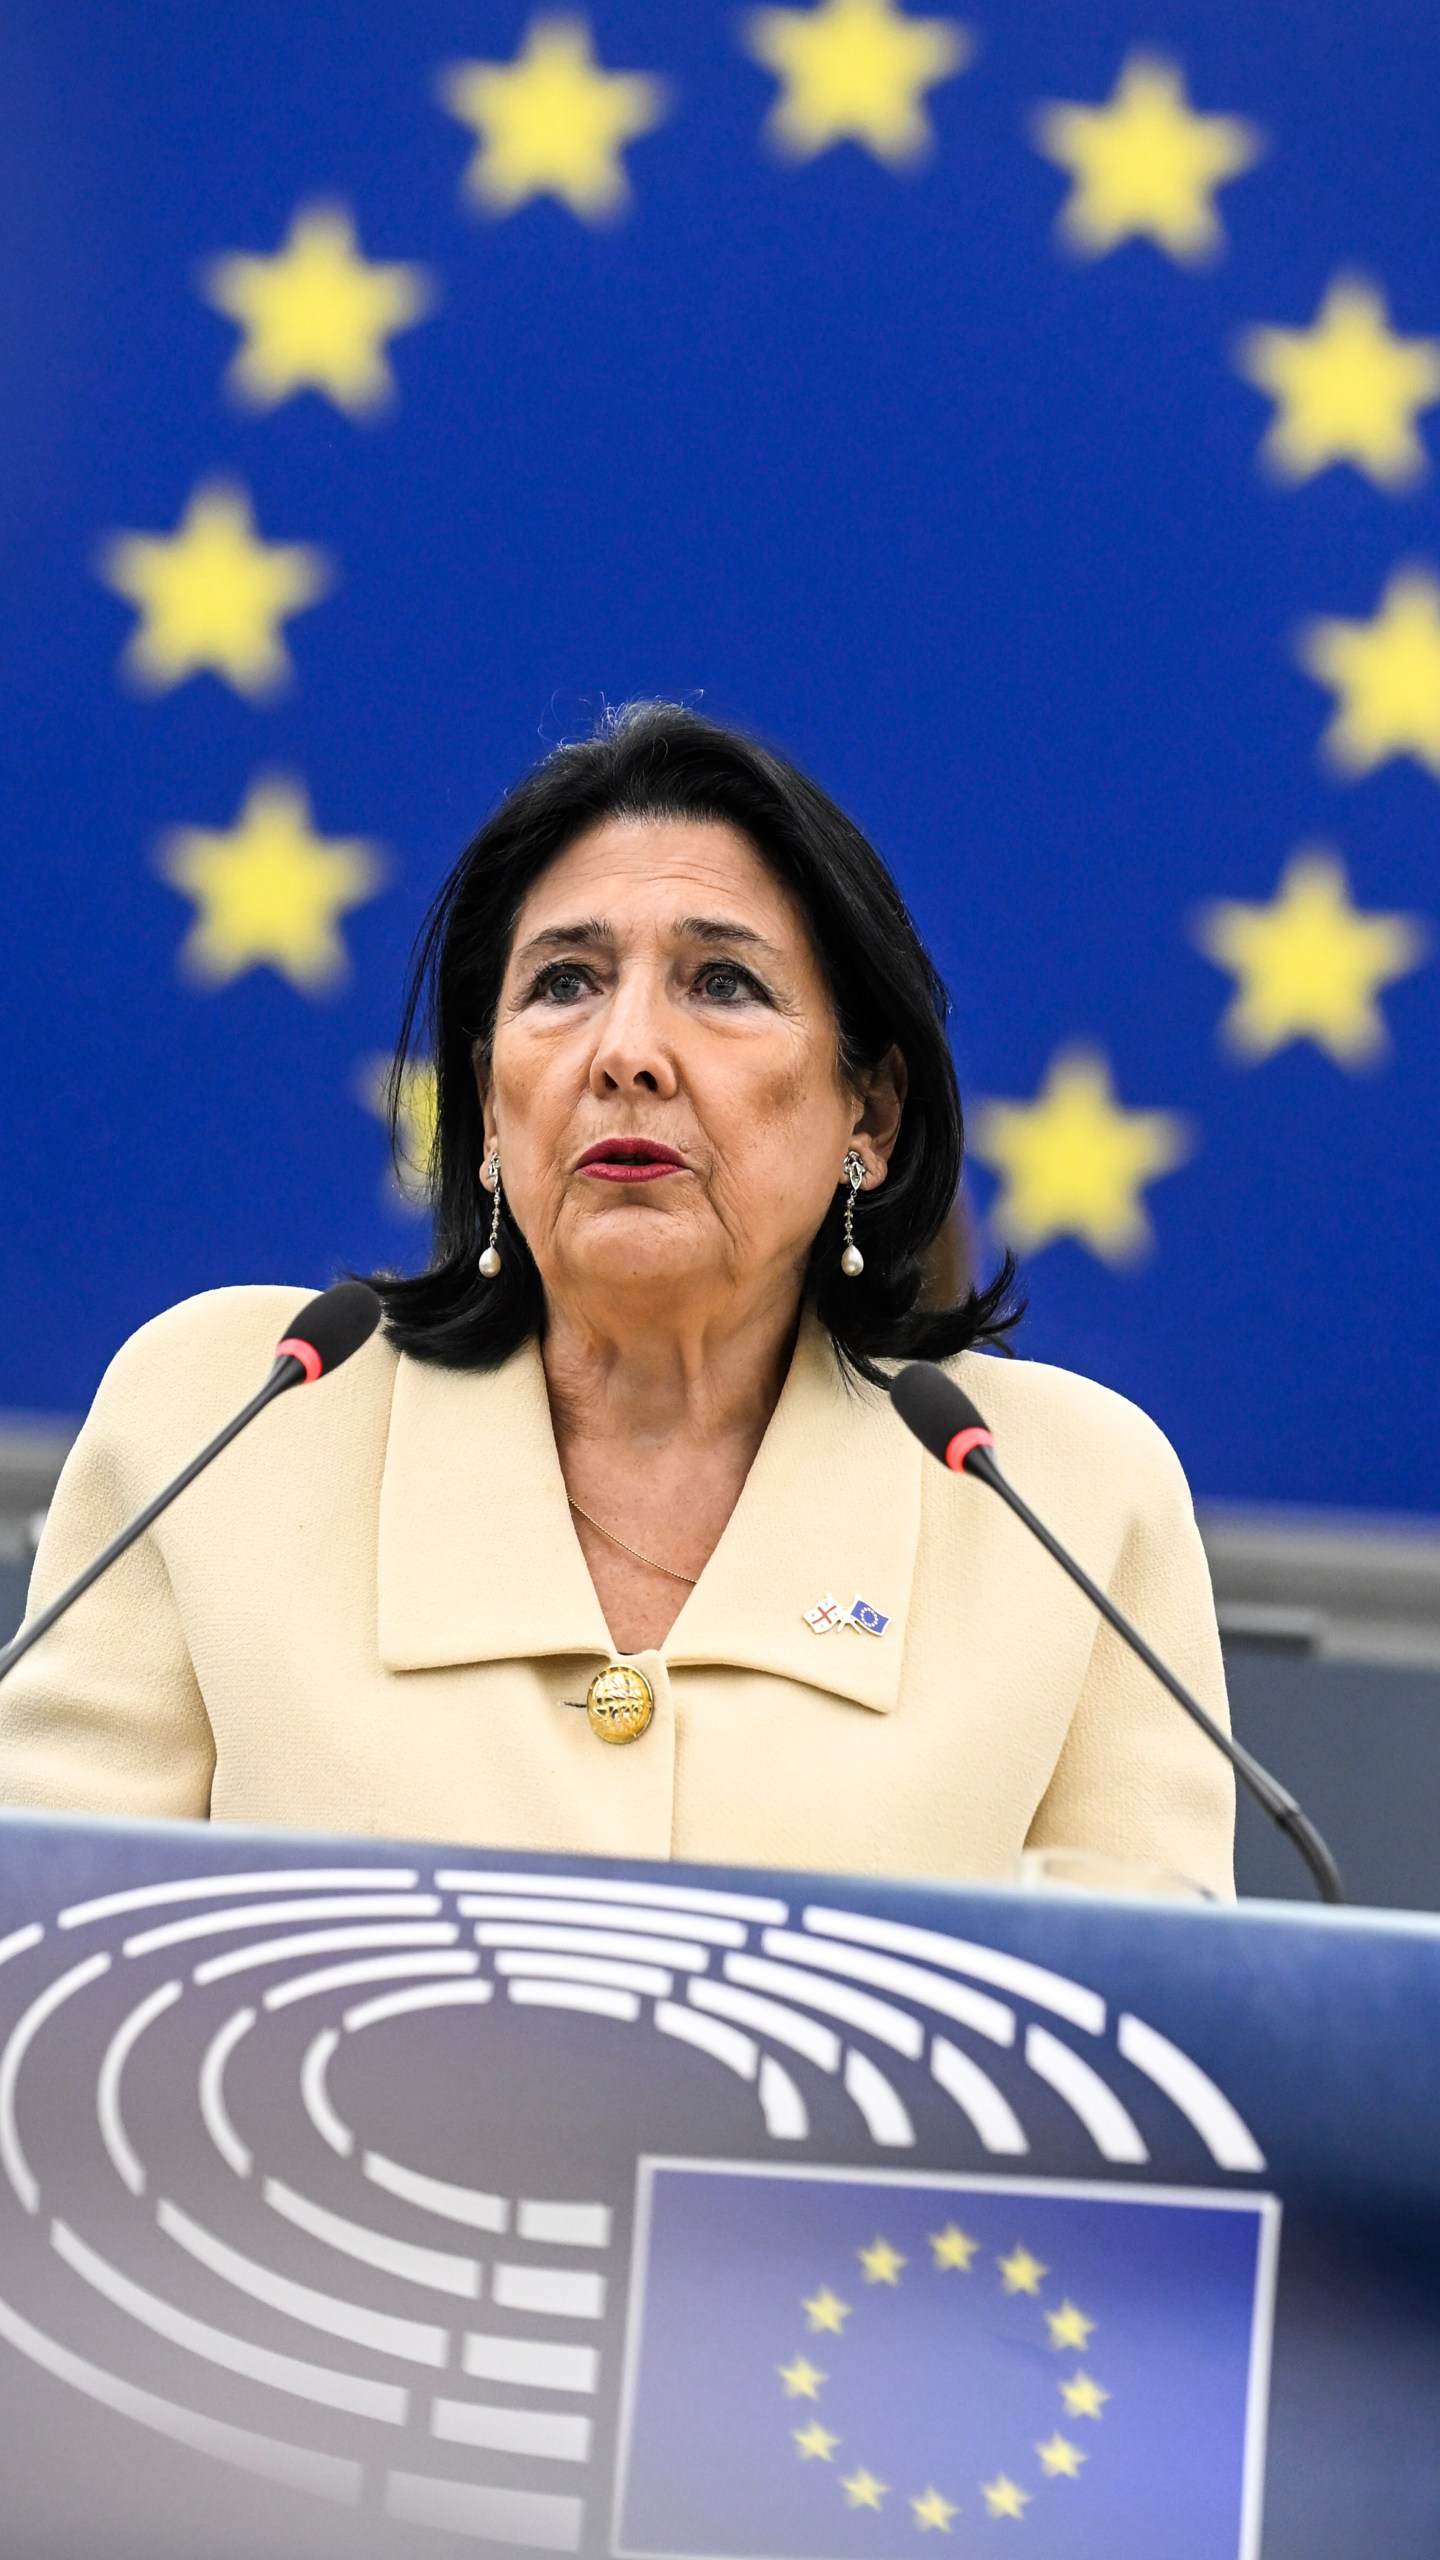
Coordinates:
column 632, row 1053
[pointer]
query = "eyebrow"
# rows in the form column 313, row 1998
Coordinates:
column 589, row 931
column 721, row 929
column 566, row 937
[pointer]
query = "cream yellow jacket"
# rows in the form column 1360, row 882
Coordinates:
column 372, row 1615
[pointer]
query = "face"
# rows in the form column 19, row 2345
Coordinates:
column 664, row 1084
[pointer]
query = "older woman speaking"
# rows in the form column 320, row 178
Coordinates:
column 611, row 1542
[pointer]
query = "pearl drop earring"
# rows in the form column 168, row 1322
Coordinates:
column 490, row 1258
column 852, row 1260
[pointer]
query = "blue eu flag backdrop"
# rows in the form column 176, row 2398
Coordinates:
column 1027, row 416
column 829, row 2364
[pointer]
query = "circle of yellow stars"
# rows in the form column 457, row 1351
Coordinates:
column 317, row 315
column 952, row 2251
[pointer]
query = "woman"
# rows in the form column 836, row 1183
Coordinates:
column 621, row 1464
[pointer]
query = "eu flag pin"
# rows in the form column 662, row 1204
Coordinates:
column 871, row 1622
column 826, row 1614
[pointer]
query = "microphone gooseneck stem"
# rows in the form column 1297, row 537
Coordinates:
column 1268, row 1793
column 287, row 1372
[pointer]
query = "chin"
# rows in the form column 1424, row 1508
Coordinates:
column 637, row 1250
column 621, row 1265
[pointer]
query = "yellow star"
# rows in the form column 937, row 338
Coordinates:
column 416, row 1114
column 802, row 2379
column 932, row 2512
column 1309, row 966
column 854, row 71
column 1386, row 674
column 1061, row 2461
column 953, row 2248
column 1145, row 166
column 212, row 595
column 1020, row 2273
column 316, row 315
column 1348, row 389
column 881, row 2263
column 1082, row 2397
column 268, row 891
column 553, row 122
column 1003, row 2498
column 1068, row 2327
column 825, row 2310
column 1074, row 1160
column 862, row 2489
column 815, row 2442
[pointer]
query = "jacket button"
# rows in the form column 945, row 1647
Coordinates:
column 619, row 1703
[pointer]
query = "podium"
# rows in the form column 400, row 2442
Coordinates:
column 366, row 2198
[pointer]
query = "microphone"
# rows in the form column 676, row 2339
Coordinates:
column 322, row 1335
column 946, row 1423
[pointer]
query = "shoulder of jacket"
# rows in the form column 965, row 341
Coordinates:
column 212, row 1346
column 1044, row 1405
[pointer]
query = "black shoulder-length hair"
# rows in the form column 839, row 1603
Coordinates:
column 659, row 760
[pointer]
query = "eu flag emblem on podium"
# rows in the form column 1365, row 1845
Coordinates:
column 825, row 2364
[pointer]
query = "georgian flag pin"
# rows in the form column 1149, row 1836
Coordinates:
column 826, row 1614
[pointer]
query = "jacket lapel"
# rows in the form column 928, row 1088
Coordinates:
column 830, row 1506
column 478, row 1559
column 479, row 1562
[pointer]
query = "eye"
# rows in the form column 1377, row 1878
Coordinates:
column 725, row 982
column 561, row 982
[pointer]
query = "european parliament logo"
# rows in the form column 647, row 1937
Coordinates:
column 828, row 2364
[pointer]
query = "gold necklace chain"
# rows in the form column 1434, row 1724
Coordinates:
column 667, row 1569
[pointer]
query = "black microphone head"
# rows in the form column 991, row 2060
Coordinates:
column 332, row 1326
column 936, row 1410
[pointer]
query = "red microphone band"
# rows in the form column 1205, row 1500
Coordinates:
column 956, row 1452
column 309, row 1359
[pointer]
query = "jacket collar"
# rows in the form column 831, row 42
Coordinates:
column 479, row 1561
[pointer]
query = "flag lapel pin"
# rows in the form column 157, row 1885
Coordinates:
column 871, row 1622
column 827, row 1613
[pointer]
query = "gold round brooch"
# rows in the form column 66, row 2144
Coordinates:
column 619, row 1703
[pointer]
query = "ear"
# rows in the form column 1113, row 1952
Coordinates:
column 877, row 1123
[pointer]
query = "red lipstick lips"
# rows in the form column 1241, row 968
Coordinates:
column 630, row 1160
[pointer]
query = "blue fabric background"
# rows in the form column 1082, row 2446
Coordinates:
column 977, row 533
